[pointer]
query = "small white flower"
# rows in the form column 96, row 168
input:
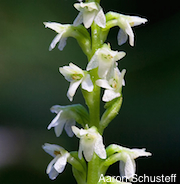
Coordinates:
column 127, row 163
column 105, row 59
column 89, row 12
column 76, row 76
column 63, row 32
column 58, row 164
column 125, row 23
column 62, row 119
column 90, row 142
column 113, row 85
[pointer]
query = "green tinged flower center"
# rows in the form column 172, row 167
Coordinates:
column 77, row 76
column 89, row 137
column 113, row 83
column 107, row 56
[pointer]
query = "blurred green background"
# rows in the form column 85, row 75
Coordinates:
column 30, row 84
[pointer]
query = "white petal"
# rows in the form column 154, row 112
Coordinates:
column 100, row 19
column 78, row 20
column 88, row 18
column 53, row 174
column 93, row 63
column 77, row 6
column 67, row 72
column 119, row 55
column 50, row 148
column 55, row 41
column 129, row 168
column 76, row 131
column 121, row 168
column 83, row 132
column 122, row 37
column 103, row 83
column 99, row 148
column 61, row 163
column 87, row 83
column 59, row 128
column 55, row 121
column 68, row 125
column 130, row 33
column 76, row 68
column 89, row 6
column 50, row 165
column 62, row 43
column 55, row 109
column 110, row 95
column 72, row 89
column 139, row 152
column 88, row 150
column 104, row 67
column 135, row 20
column 54, row 26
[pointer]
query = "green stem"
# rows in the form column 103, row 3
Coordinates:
column 94, row 108
column 93, row 103
column 93, row 98
column 93, row 170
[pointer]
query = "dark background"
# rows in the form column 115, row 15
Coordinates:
column 30, row 84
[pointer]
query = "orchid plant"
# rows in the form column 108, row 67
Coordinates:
column 90, row 28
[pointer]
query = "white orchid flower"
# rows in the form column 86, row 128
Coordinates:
column 127, row 158
column 125, row 23
column 58, row 164
column 127, row 164
column 76, row 76
column 62, row 119
column 113, row 85
column 90, row 142
column 105, row 59
column 89, row 12
column 63, row 32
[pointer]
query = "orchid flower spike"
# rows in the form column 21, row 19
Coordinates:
column 125, row 23
column 90, row 142
column 76, row 76
column 62, row 119
column 105, row 59
column 89, row 12
column 63, row 32
column 58, row 164
column 112, row 85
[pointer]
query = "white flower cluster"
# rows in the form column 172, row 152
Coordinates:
column 109, row 77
